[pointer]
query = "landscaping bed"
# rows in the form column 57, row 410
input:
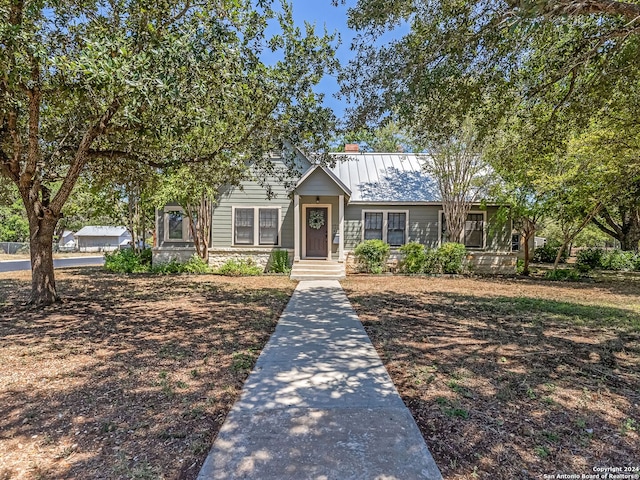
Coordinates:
column 512, row 378
column 130, row 377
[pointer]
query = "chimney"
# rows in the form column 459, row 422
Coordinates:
column 351, row 148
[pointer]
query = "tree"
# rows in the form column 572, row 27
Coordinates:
column 388, row 138
column 456, row 164
column 196, row 188
column 14, row 226
column 133, row 80
column 485, row 58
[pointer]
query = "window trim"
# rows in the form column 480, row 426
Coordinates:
column 256, row 226
column 385, row 223
column 461, row 240
column 186, row 233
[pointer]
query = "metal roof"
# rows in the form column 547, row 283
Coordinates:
column 385, row 177
column 101, row 231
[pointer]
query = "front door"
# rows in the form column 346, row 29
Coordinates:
column 317, row 230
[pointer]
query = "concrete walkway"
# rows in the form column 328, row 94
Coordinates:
column 319, row 404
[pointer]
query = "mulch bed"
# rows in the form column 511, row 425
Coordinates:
column 512, row 378
column 130, row 377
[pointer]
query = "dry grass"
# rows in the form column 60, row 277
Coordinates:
column 26, row 256
column 131, row 377
column 513, row 378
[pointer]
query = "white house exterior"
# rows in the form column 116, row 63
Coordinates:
column 102, row 238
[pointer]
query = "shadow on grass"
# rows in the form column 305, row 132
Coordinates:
column 129, row 377
column 511, row 387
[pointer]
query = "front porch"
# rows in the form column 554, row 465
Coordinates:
column 319, row 201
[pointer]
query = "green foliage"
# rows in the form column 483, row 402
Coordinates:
column 14, row 225
column 127, row 261
column 618, row 260
column 589, row 258
column 279, row 262
column 415, row 258
column 195, row 265
column 239, row 268
column 448, row 258
column 519, row 266
column 372, row 255
column 451, row 257
column 562, row 274
column 547, row 253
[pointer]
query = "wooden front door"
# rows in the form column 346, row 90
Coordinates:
column 317, row 231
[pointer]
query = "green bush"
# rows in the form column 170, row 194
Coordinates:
column 414, row 259
column 431, row 261
column 589, row 258
column 618, row 260
column 548, row 253
column 127, row 261
column 195, row 264
column 238, row 268
column 451, row 257
column 562, row 274
column 372, row 255
column 279, row 262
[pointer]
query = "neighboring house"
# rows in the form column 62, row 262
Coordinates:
column 329, row 210
column 102, row 238
column 67, row 242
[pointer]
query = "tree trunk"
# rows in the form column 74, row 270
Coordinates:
column 43, row 285
column 629, row 239
column 525, row 270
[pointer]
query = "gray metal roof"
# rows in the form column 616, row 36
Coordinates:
column 101, row 231
column 385, row 177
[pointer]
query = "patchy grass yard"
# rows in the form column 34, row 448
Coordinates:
column 512, row 378
column 131, row 377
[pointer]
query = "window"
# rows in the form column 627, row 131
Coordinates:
column 244, row 226
column 373, row 226
column 474, row 232
column 396, row 225
column 388, row 226
column 268, row 231
column 515, row 242
column 176, row 225
column 256, row 226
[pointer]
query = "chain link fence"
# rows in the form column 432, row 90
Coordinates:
column 13, row 248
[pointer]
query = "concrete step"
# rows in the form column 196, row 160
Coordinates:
column 299, row 277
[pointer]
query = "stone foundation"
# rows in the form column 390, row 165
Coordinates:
column 261, row 257
column 166, row 255
column 492, row 263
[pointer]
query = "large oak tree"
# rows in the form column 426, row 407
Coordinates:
column 162, row 83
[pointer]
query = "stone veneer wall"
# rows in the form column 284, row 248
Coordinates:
column 165, row 255
column 219, row 256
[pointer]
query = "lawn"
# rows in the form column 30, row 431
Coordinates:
column 512, row 378
column 131, row 377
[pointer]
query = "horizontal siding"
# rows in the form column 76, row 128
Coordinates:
column 251, row 194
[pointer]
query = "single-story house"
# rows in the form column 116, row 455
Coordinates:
column 102, row 238
column 331, row 209
column 67, row 242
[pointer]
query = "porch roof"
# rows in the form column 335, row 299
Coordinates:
column 322, row 170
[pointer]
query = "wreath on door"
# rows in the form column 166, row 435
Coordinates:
column 316, row 219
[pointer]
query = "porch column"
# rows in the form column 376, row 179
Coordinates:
column 341, row 228
column 296, row 227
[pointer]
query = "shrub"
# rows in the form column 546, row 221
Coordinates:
column 562, row 274
column 237, row 268
column 127, row 261
column 279, row 262
column 194, row 265
column 415, row 258
column 451, row 257
column 548, row 253
column 589, row 258
column 618, row 260
column 432, row 261
column 372, row 255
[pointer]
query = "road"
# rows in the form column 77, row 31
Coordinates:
column 15, row 265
